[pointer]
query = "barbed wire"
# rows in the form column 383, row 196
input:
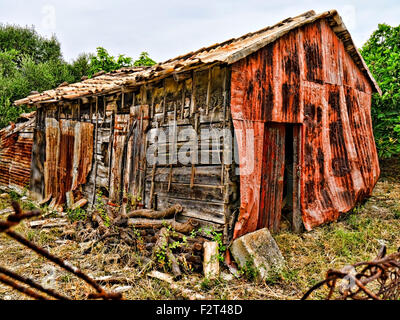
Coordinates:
column 378, row 279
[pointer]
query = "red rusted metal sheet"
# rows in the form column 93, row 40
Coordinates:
column 250, row 155
column 83, row 153
column 16, row 143
column 69, row 154
column 51, row 162
column 317, row 84
column 265, row 85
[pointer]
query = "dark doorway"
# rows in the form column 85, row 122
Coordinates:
column 280, row 179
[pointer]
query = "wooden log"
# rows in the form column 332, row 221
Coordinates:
column 79, row 204
column 192, row 247
column 97, row 218
column 211, row 262
column 162, row 246
column 48, row 223
column 197, row 260
column 152, row 214
column 162, row 240
column 174, row 264
column 126, row 238
column 186, row 227
column 180, row 236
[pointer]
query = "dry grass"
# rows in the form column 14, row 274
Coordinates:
column 357, row 236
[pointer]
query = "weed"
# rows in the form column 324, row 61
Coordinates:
column 14, row 196
column 28, row 205
column 217, row 237
column 100, row 208
column 66, row 278
column 249, row 271
column 78, row 214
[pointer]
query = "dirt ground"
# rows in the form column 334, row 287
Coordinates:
column 357, row 236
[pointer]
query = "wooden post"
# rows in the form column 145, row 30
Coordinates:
column 183, row 101
column 297, row 221
column 164, row 103
column 196, row 127
column 211, row 262
column 193, row 96
column 95, row 151
column 208, row 91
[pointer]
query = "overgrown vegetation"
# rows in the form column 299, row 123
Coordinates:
column 99, row 207
column 78, row 214
column 356, row 237
column 30, row 62
column 382, row 55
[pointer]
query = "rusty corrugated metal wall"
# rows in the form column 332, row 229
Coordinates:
column 15, row 154
column 305, row 78
column 69, row 154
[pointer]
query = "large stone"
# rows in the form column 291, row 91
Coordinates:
column 258, row 250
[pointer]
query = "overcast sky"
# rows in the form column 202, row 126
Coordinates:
column 166, row 29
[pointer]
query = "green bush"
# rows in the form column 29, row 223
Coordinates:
column 382, row 55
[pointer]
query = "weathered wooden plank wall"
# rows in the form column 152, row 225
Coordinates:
column 308, row 78
column 206, row 189
column 117, row 129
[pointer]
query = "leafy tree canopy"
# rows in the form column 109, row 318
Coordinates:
column 144, row 60
column 103, row 61
column 382, row 55
column 30, row 62
column 26, row 41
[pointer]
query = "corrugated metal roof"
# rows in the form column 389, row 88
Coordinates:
column 227, row 52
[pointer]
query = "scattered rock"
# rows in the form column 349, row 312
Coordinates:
column 258, row 250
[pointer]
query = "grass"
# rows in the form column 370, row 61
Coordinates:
column 357, row 236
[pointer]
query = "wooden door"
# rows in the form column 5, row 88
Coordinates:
column 272, row 178
column 128, row 155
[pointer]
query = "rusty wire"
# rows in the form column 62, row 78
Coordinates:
column 31, row 288
column 378, row 279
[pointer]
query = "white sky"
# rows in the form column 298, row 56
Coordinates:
column 168, row 28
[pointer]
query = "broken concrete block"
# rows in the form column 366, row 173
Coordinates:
column 211, row 261
column 258, row 250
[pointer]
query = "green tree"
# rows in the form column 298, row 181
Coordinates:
column 30, row 62
column 103, row 61
column 382, row 55
column 144, row 60
column 80, row 66
column 27, row 42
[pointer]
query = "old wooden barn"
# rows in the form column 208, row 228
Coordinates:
column 295, row 99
